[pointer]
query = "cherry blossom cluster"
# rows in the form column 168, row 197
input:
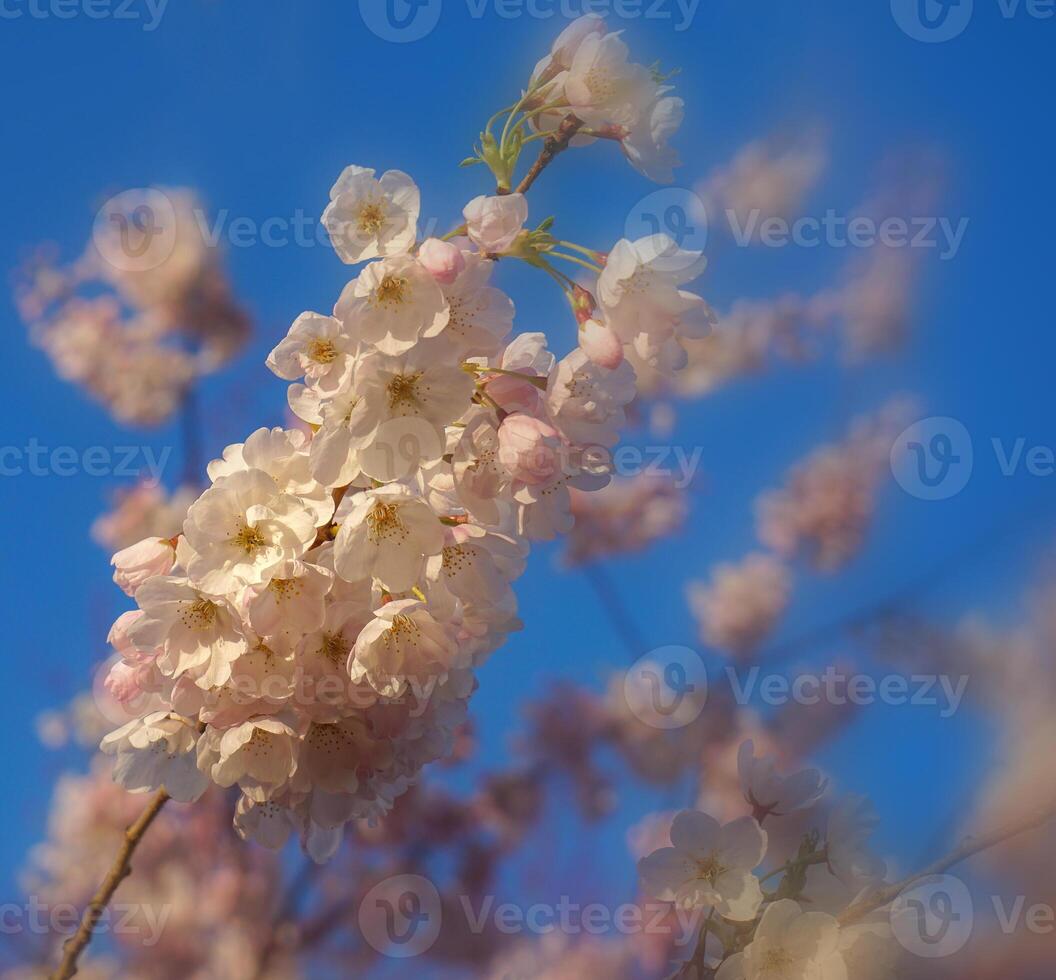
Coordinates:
column 825, row 508
column 311, row 634
column 768, row 909
column 142, row 313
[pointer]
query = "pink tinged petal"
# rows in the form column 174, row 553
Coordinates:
column 694, row 831
column 732, row 969
column 664, row 872
column 743, row 843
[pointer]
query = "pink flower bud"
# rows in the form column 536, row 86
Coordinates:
column 118, row 637
column 529, row 449
column 600, row 344
column 493, row 223
column 147, row 558
column 443, row 260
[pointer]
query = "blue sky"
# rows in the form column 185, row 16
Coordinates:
column 259, row 106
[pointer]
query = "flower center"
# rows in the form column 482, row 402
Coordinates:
column 322, row 351
column 392, row 290
column 249, row 538
column 775, row 961
column 199, row 614
column 710, row 869
column 284, row 588
column 403, row 629
column 403, row 390
column 384, row 521
column 371, row 219
column 333, row 647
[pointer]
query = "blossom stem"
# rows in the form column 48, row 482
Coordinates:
column 969, row 849
column 578, row 261
column 119, row 871
column 554, row 146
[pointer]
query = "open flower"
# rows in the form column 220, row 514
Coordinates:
column 708, row 866
column 260, row 755
column 639, row 291
column 242, row 529
column 388, row 534
column 771, row 793
column 493, row 223
column 403, row 647
column 316, row 348
column 392, row 304
column 368, row 217
column 199, row 635
column 789, row 944
column 157, row 751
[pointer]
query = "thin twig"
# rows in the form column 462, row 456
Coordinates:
column 616, row 608
column 121, row 869
column 968, row 849
column 555, row 145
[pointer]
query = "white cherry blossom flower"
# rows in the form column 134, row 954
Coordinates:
column 388, row 534
column 403, row 647
column 369, row 217
column 157, row 751
column 708, row 866
column 242, row 529
column 639, row 291
column 604, row 87
column 586, row 400
column 197, row 634
column 772, row 794
column 851, row 823
column 481, row 316
column 283, row 454
column 259, row 755
column 292, row 603
column 789, row 944
column 316, row 348
column 493, row 223
column 409, row 400
column 267, row 823
column 646, row 144
column 392, row 304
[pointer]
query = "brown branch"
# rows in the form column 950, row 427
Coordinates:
column 969, row 849
column 552, row 146
column 122, row 868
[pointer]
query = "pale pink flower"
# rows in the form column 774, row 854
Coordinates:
column 493, row 223
column 135, row 564
column 737, row 610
